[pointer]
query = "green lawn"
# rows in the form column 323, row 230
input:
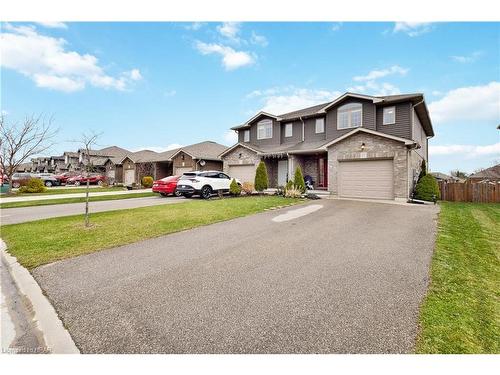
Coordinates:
column 461, row 313
column 47, row 202
column 54, row 191
column 45, row 241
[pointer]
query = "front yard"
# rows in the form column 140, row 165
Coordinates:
column 461, row 313
column 45, row 241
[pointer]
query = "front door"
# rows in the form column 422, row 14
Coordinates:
column 282, row 172
column 322, row 172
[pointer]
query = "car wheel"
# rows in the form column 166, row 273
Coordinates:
column 48, row 183
column 187, row 195
column 177, row 194
column 99, row 183
column 206, row 192
column 77, row 183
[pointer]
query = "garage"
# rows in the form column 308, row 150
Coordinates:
column 366, row 179
column 244, row 173
column 179, row 171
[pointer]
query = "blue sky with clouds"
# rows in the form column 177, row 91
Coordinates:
column 156, row 85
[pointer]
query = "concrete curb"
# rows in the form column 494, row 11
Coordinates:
column 56, row 337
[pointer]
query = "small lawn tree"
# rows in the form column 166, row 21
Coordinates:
column 298, row 180
column 261, row 179
column 423, row 170
column 234, row 188
column 88, row 141
column 427, row 189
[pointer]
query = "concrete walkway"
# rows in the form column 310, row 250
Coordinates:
column 70, row 195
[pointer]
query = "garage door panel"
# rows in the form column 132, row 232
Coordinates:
column 244, row 173
column 179, row 171
column 366, row 179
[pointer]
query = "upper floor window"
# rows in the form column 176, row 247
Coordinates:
column 265, row 129
column 246, row 136
column 320, row 125
column 389, row 115
column 288, row 130
column 350, row 116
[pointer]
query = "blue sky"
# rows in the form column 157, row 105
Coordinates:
column 156, row 85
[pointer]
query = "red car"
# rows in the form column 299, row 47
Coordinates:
column 166, row 186
column 93, row 178
column 64, row 177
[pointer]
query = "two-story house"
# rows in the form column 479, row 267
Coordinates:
column 354, row 146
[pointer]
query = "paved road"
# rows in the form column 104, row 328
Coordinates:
column 24, row 214
column 92, row 193
column 347, row 278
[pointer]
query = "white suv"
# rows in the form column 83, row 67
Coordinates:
column 203, row 183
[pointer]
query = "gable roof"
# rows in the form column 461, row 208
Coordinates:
column 207, row 150
column 417, row 100
column 488, row 173
column 407, row 142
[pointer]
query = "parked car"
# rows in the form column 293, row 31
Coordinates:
column 203, row 183
column 49, row 179
column 166, row 186
column 63, row 177
column 93, row 178
column 19, row 179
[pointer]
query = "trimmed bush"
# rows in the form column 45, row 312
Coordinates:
column 426, row 188
column 298, row 180
column 234, row 188
column 261, row 179
column 293, row 193
column 247, row 188
column 289, row 185
column 147, row 181
column 34, row 185
column 423, row 170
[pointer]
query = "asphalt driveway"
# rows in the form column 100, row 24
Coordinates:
column 347, row 278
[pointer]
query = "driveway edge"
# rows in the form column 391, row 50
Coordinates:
column 56, row 337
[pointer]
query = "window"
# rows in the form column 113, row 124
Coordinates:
column 246, row 136
column 264, row 129
column 288, row 130
column 350, row 116
column 389, row 115
column 320, row 125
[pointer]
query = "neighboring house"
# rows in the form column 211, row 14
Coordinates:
column 354, row 146
column 197, row 157
column 491, row 174
column 444, row 177
column 40, row 165
column 57, row 164
column 71, row 161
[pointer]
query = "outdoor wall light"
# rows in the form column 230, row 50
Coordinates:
column 362, row 146
column 182, row 157
column 240, row 155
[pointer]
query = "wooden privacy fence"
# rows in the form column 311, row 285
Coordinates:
column 470, row 192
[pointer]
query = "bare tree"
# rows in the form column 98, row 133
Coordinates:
column 88, row 141
column 21, row 141
column 459, row 174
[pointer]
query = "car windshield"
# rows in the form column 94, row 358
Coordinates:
column 187, row 176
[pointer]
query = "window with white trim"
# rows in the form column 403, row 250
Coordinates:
column 389, row 115
column 350, row 116
column 265, row 129
column 246, row 136
column 288, row 130
column 320, row 125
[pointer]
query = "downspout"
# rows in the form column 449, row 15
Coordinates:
column 303, row 128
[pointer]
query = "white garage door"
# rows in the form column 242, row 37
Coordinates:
column 179, row 171
column 244, row 173
column 366, row 179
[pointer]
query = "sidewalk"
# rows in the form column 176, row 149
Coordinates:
column 75, row 195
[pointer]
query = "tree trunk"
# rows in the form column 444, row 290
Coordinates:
column 87, row 221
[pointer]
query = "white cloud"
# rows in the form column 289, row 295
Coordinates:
column 474, row 56
column 230, row 137
column 468, row 151
column 474, row 103
column 258, row 39
column 412, row 28
column 336, row 26
column 375, row 88
column 53, row 25
column 380, row 73
column 231, row 59
column 230, row 30
column 286, row 99
column 49, row 64
column 169, row 93
column 194, row 26
column 134, row 75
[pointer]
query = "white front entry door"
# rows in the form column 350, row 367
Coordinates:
column 129, row 176
column 282, row 172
